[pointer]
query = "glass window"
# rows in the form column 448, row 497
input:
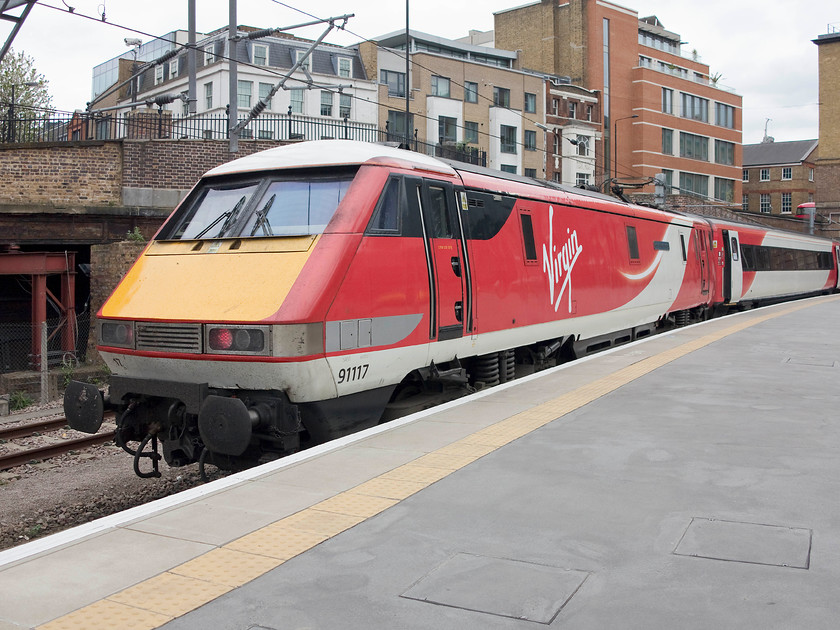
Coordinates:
column 508, row 139
column 501, row 97
column 396, row 124
column 326, row 103
column 265, row 90
column 173, row 68
column 582, row 145
column 439, row 214
column 589, row 113
column 208, row 96
column 810, row 174
column 694, row 147
column 724, row 115
column 345, row 103
column 572, row 109
column 724, row 189
column 530, row 140
column 213, row 214
column 506, row 168
column 764, row 175
column 668, row 141
column 447, row 129
column 764, row 203
column 694, row 107
column 387, row 215
column 303, row 58
column 395, row 82
column 244, row 93
column 745, row 203
column 209, row 56
column 787, row 172
column 470, row 92
column 440, row 86
column 667, row 101
column 531, row 172
column 746, row 176
column 159, row 74
column 530, row 103
column 296, row 100
column 632, row 242
column 787, row 203
column 344, row 67
column 260, row 55
column 724, row 152
column 296, row 207
column 581, row 179
column 692, row 183
column 471, row 132
column 669, row 180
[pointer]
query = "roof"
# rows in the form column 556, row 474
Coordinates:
column 770, row 153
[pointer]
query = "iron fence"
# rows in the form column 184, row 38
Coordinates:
column 26, row 126
column 18, row 341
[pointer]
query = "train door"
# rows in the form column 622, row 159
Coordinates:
column 703, row 254
column 837, row 265
column 733, row 273
column 442, row 233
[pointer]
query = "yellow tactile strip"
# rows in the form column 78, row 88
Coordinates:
column 155, row 601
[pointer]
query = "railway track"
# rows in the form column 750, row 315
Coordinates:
column 47, row 451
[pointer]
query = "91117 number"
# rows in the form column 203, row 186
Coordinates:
column 355, row 373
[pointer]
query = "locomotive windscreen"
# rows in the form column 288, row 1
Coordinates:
column 258, row 207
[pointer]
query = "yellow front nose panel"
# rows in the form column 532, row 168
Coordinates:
column 230, row 280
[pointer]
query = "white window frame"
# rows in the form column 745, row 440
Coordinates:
column 327, row 101
column 787, row 173
column 345, row 105
column 581, row 179
column 264, row 56
column 158, row 74
column 810, row 174
column 746, row 176
column 173, row 68
column 264, row 89
column 764, row 175
column 297, row 105
column 572, row 109
column 345, row 67
column 240, row 93
column 209, row 54
column 208, row 95
column 764, row 202
column 745, row 202
column 299, row 55
column 787, row 203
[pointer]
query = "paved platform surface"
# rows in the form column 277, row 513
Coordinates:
column 689, row 481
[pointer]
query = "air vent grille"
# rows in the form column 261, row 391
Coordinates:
column 163, row 337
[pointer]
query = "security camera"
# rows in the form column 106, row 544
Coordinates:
column 132, row 41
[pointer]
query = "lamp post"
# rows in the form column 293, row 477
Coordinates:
column 11, row 129
column 615, row 143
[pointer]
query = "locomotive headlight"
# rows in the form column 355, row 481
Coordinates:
column 117, row 334
column 237, row 339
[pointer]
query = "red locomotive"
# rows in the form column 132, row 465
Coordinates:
column 309, row 291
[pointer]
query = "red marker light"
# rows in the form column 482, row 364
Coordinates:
column 221, row 339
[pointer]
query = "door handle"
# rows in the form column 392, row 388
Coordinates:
column 459, row 311
column 456, row 266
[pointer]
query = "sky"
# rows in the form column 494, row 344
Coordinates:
column 762, row 48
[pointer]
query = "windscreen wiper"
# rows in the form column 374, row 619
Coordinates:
column 261, row 222
column 229, row 216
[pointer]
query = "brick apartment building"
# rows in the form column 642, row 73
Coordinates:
column 828, row 164
column 662, row 110
column 462, row 96
column 778, row 176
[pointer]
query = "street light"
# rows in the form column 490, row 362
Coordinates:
column 615, row 143
column 11, row 130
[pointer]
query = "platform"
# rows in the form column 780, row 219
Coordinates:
column 686, row 481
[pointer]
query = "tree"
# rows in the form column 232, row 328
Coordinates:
column 24, row 116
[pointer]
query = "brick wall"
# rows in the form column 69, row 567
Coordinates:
column 77, row 174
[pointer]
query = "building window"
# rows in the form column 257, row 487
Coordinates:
column 265, row 90
column 260, row 55
column 555, row 107
column 589, row 113
column 694, row 107
column 530, row 140
column 694, row 147
column 745, row 203
column 667, row 101
column 345, row 102
column 581, row 179
column 440, row 86
column 669, row 180
column 810, row 174
column 447, row 129
column 746, row 176
column 787, row 203
column 396, row 123
column 692, row 183
column 209, row 55
column 508, row 139
column 326, row 103
column 296, row 100
column 471, row 132
column 764, row 203
column 556, row 143
column 531, row 172
column 764, row 175
column 668, row 141
column 725, row 115
column 724, row 189
column 787, row 172
column 582, row 145
column 530, row 103
column 158, row 74
column 344, row 67
column 173, row 68
column 208, row 96
column 265, row 134
column 302, row 58
column 243, row 93
column 724, row 152
column 395, row 82
column 470, row 92
column 572, row 109
column 501, row 97
column 505, row 168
